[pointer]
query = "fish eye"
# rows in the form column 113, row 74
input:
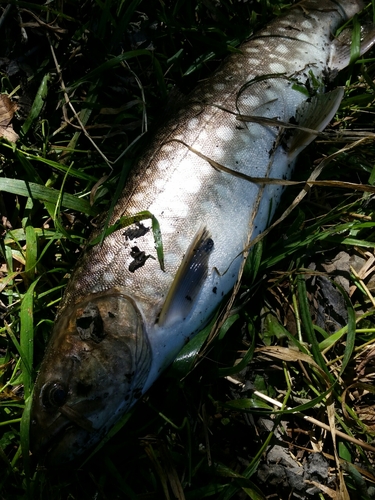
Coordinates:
column 54, row 395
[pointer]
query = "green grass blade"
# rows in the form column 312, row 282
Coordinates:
column 25, row 441
column 308, row 325
column 37, row 104
column 27, row 337
column 42, row 193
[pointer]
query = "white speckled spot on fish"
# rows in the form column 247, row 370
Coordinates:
column 253, row 61
column 303, row 37
column 191, row 183
column 249, row 100
column 219, row 86
column 108, row 278
column 224, row 133
column 306, row 24
column 164, row 164
column 159, row 183
column 203, row 135
column 207, row 95
column 277, row 68
column 138, row 197
column 252, row 50
column 282, row 49
column 193, row 123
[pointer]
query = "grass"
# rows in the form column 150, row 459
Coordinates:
column 89, row 81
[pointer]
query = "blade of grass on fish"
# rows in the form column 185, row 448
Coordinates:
column 355, row 47
column 185, row 359
column 37, row 106
column 128, row 220
column 38, row 192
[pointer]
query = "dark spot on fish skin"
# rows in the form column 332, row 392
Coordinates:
column 90, row 324
column 139, row 259
column 187, row 297
column 137, row 232
column 214, row 289
column 129, row 376
column 111, row 314
column 83, row 389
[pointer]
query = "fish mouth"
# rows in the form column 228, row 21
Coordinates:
column 64, row 441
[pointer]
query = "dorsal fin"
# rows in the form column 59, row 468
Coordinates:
column 188, row 280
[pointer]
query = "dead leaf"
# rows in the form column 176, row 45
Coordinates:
column 7, row 110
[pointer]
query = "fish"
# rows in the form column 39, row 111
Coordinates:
column 176, row 241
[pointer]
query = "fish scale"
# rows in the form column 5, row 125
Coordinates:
column 121, row 309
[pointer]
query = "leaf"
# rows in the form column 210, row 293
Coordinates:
column 7, row 110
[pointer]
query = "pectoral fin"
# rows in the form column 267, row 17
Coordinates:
column 315, row 114
column 188, row 280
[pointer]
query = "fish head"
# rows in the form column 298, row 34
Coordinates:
column 94, row 370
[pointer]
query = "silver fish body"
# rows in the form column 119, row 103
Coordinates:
column 123, row 318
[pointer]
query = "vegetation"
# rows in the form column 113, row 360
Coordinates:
column 89, row 80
